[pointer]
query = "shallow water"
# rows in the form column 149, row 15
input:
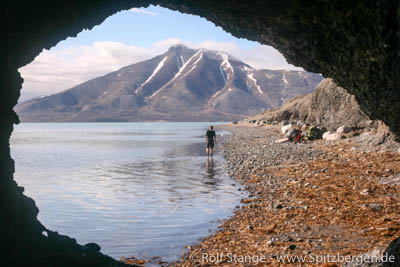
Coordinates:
column 136, row 189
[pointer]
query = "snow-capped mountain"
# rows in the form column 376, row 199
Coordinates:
column 180, row 85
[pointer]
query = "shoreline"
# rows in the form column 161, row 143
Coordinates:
column 318, row 198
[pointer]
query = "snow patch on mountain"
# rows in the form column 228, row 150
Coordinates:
column 285, row 81
column 269, row 76
column 194, row 64
column 225, row 65
column 222, row 73
column 250, row 76
column 157, row 69
column 177, row 74
column 184, row 66
column 246, row 69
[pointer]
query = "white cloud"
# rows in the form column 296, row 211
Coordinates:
column 59, row 69
column 143, row 11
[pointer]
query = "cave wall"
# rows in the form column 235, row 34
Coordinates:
column 354, row 42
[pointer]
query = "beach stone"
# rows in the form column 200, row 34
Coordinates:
column 282, row 140
column 365, row 192
column 326, row 134
column 343, row 129
column 333, row 137
column 375, row 206
column 286, row 128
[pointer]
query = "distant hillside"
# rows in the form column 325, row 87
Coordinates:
column 329, row 105
column 180, row 85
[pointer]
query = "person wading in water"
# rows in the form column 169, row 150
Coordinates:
column 211, row 140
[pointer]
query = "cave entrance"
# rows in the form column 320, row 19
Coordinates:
column 116, row 183
column 356, row 44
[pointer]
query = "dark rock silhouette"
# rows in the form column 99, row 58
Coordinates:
column 329, row 106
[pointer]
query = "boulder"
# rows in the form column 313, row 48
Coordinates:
column 328, row 106
column 325, row 134
column 282, row 140
column 343, row 129
column 259, row 123
column 286, row 128
column 333, row 137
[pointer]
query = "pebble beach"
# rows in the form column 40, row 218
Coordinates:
column 315, row 203
column 306, row 202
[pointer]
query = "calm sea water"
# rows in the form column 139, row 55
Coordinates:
column 136, row 189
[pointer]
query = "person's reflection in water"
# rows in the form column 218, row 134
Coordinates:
column 210, row 168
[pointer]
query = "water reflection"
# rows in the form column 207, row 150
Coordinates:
column 132, row 192
column 210, row 167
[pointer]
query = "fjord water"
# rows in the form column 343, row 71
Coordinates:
column 136, row 189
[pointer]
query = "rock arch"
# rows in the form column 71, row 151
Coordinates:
column 354, row 42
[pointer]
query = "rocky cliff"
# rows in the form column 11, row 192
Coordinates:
column 329, row 105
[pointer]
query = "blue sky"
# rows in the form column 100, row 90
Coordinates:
column 129, row 37
column 145, row 26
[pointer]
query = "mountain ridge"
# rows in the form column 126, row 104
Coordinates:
column 328, row 106
column 181, row 84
